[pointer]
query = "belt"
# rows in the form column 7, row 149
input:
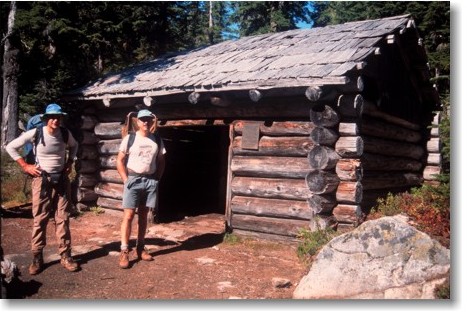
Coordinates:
column 141, row 175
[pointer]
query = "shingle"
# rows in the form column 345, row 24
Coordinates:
column 301, row 53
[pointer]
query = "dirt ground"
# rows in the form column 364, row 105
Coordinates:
column 192, row 261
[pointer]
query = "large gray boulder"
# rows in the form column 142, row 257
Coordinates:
column 381, row 259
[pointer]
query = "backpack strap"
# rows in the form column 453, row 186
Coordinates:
column 131, row 140
column 38, row 136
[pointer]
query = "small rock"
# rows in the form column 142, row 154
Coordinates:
column 279, row 282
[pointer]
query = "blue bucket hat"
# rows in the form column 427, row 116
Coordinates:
column 53, row 109
column 144, row 113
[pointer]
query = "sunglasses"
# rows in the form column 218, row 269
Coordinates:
column 146, row 119
column 53, row 116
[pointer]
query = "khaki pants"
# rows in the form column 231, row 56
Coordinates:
column 53, row 205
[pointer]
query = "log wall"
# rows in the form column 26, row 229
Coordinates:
column 87, row 164
column 268, row 193
column 434, row 157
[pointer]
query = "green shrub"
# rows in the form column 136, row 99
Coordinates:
column 427, row 206
column 97, row 210
column 312, row 241
column 232, row 239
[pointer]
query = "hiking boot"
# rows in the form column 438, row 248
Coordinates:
column 143, row 254
column 68, row 262
column 124, row 259
column 37, row 264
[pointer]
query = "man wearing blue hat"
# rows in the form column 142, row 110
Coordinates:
column 140, row 166
column 55, row 152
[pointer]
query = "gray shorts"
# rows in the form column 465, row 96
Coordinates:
column 139, row 191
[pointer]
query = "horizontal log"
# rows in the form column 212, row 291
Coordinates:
column 109, row 190
column 378, row 180
column 275, row 146
column 255, row 95
column 434, row 159
column 322, row 204
column 108, row 161
column 322, row 158
column 322, row 182
column 88, row 122
column 375, row 162
column 294, row 189
column 345, row 213
column 86, row 195
column 109, row 203
column 110, row 176
column 353, row 85
column 350, row 105
column 350, row 147
column 271, row 207
column 110, row 146
column 430, row 172
column 349, row 192
column 111, row 130
column 274, row 167
column 86, row 180
column 189, row 122
column 372, row 110
column 295, row 107
column 393, row 148
column 269, row 225
column 436, row 119
column 194, row 97
column 290, row 128
column 324, row 116
column 323, row 136
column 349, row 129
column 89, row 138
column 433, row 145
column 314, row 93
column 87, row 166
column 318, row 93
column 88, row 152
column 434, row 132
column 375, row 128
column 349, row 169
column 264, row 236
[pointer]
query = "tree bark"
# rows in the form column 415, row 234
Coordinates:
column 10, row 81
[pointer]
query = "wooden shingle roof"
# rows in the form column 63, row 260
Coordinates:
column 296, row 58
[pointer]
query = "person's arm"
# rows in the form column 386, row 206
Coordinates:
column 13, row 147
column 121, row 166
column 121, row 159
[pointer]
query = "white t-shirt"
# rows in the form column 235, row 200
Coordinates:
column 51, row 156
column 143, row 154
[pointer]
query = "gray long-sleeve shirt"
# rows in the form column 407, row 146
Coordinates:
column 52, row 156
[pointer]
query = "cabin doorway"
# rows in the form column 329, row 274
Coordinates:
column 195, row 177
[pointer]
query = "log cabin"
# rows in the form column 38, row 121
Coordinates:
column 301, row 129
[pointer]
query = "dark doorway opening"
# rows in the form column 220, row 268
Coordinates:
column 195, row 177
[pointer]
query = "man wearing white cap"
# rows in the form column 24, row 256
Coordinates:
column 50, row 184
column 140, row 168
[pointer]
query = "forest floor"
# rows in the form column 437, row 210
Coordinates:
column 192, row 260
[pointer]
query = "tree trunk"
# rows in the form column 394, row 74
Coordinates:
column 10, row 81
